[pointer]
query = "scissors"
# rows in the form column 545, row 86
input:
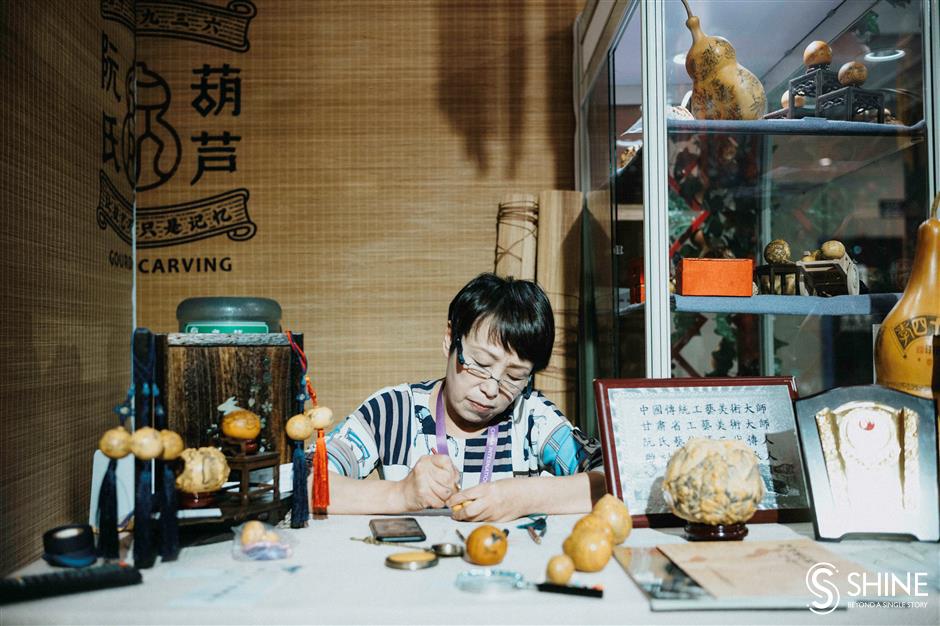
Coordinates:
column 537, row 527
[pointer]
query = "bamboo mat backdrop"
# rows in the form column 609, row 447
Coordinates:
column 67, row 282
column 376, row 139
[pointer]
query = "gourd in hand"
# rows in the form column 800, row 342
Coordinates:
column 721, row 88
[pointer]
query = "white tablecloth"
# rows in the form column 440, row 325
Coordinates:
column 332, row 580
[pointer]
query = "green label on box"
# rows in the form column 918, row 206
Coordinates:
column 226, row 327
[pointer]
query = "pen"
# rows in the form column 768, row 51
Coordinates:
column 456, row 485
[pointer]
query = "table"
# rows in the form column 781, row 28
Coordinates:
column 333, row 580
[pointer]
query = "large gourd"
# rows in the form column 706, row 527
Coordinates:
column 721, row 88
column 904, row 357
column 713, row 481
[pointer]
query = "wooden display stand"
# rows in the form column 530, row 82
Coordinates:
column 198, row 372
column 813, row 84
column 780, row 279
column 850, row 104
column 246, row 490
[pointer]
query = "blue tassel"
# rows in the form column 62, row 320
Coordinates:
column 300, row 504
column 169, row 525
column 108, row 546
column 143, row 505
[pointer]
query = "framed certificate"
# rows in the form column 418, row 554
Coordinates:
column 642, row 422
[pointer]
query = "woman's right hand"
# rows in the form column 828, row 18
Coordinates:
column 430, row 483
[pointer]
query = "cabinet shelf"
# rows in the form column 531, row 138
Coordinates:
column 876, row 305
column 796, row 164
column 808, row 126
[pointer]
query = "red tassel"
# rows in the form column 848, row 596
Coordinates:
column 321, row 478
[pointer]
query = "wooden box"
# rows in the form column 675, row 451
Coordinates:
column 198, row 372
column 716, row 277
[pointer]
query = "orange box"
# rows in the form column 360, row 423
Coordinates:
column 716, row 277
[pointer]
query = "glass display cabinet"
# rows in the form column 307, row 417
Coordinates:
column 661, row 187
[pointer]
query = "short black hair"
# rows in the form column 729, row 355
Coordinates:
column 519, row 310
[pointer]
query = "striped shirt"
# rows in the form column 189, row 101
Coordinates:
column 395, row 427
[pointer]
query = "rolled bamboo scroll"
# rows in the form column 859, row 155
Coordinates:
column 516, row 236
column 559, row 274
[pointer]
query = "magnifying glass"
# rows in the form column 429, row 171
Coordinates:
column 423, row 558
column 495, row 581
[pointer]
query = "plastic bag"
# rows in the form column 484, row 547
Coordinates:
column 257, row 541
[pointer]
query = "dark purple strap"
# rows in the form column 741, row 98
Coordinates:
column 440, row 432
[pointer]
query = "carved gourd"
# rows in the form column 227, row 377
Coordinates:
column 904, row 357
column 721, row 88
column 711, row 481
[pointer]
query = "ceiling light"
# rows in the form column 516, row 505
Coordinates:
column 825, row 162
column 679, row 59
column 880, row 56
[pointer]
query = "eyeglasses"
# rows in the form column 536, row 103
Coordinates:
column 509, row 385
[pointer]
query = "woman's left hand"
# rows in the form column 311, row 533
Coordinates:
column 497, row 501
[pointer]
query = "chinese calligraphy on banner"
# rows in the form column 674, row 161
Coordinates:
column 182, row 164
column 650, row 424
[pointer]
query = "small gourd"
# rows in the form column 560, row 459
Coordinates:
column 593, row 523
column 799, row 100
column 613, row 511
column 299, row 427
column 590, row 550
column 722, row 89
column 559, row 569
column 241, row 424
column 853, row 73
column 115, row 443
column 777, row 252
column 904, row 348
column 817, row 54
column 146, row 443
column 320, row 417
column 831, row 250
column 252, row 532
column 486, row 545
column 172, row 445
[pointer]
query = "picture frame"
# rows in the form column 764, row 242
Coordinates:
column 870, row 455
column 637, row 444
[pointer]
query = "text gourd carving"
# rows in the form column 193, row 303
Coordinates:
column 904, row 349
column 721, row 88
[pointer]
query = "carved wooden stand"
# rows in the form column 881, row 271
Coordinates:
column 776, row 278
column 715, row 532
column 850, row 103
column 245, row 465
column 813, row 84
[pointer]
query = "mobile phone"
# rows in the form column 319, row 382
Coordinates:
column 397, row 529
